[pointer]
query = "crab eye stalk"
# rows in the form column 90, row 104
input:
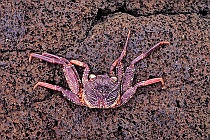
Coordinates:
column 114, row 79
column 92, row 77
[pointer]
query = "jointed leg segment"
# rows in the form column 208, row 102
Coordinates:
column 118, row 61
column 55, row 57
column 131, row 91
column 129, row 73
column 71, row 96
column 86, row 71
column 144, row 55
column 49, row 58
column 69, row 70
column 128, row 90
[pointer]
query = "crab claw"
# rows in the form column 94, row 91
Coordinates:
column 162, row 81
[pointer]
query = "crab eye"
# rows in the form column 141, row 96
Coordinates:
column 114, row 79
column 92, row 77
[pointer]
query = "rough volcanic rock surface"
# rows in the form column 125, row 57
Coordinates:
column 95, row 32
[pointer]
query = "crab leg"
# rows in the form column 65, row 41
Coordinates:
column 72, row 78
column 131, row 91
column 46, row 58
column 116, row 62
column 144, row 55
column 69, row 70
column 86, row 71
column 127, row 79
column 68, row 94
column 119, row 71
column 56, row 57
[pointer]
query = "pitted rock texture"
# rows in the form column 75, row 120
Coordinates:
column 95, row 32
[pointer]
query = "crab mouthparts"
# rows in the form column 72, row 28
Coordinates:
column 101, row 104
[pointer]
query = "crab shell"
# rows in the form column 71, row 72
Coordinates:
column 101, row 92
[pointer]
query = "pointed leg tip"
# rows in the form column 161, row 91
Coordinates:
column 36, row 86
column 129, row 32
column 29, row 59
column 162, row 82
column 164, row 87
column 166, row 42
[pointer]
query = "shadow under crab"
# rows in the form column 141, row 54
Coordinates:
column 98, row 91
